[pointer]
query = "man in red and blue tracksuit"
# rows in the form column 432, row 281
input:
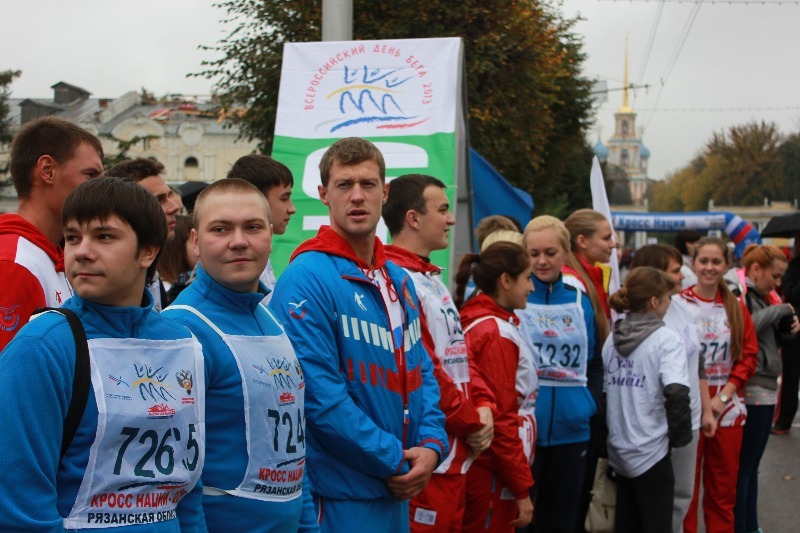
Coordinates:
column 374, row 429
column 418, row 217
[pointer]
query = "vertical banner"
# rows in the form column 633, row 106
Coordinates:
column 403, row 95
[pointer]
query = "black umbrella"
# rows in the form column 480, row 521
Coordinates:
column 782, row 226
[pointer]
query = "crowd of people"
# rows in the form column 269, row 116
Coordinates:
column 157, row 375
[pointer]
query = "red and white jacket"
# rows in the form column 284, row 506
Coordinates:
column 32, row 274
column 462, row 388
column 506, row 364
column 713, row 331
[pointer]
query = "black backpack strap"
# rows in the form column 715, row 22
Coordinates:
column 81, row 382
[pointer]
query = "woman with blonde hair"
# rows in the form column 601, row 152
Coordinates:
column 763, row 266
column 729, row 345
column 647, row 398
column 558, row 322
column 499, row 480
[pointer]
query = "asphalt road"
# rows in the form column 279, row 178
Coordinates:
column 779, row 484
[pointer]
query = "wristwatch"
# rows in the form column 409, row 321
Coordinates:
column 724, row 398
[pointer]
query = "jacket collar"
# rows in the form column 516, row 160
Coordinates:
column 691, row 296
column 330, row 242
column 234, row 301
column 541, row 286
column 482, row 305
column 111, row 321
column 16, row 225
column 410, row 260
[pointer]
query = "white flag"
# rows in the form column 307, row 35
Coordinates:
column 600, row 204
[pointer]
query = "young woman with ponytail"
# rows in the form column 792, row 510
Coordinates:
column 763, row 266
column 729, row 345
column 647, row 402
column 592, row 242
column 679, row 319
column 499, row 480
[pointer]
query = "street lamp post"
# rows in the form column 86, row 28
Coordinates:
column 337, row 20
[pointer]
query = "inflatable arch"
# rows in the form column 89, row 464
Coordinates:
column 739, row 230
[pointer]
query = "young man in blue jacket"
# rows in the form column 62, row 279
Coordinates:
column 275, row 181
column 375, row 431
column 255, row 439
column 136, row 449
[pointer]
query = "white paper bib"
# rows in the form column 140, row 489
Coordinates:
column 273, row 390
column 150, row 443
column 558, row 334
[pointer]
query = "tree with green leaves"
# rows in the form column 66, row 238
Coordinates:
column 528, row 105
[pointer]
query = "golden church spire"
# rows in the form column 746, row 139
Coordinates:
column 625, row 106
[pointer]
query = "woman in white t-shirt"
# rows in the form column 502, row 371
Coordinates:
column 679, row 319
column 647, row 402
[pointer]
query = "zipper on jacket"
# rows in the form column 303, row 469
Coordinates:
column 401, row 363
column 552, row 414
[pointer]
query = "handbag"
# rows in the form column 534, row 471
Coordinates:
column 603, row 507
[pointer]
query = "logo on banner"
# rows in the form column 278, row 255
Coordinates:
column 371, row 84
column 374, row 95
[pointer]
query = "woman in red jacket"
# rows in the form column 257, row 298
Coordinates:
column 728, row 344
column 592, row 240
column 499, row 481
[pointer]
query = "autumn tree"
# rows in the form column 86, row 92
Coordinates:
column 739, row 167
column 790, row 166
column 528, row 105
column 6, row 77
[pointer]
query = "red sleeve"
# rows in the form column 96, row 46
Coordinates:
column 22, row 294
column 461, row 416
column 479, row 392
column 745, row 368
column 497, row 360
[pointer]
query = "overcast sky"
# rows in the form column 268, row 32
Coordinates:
column 738, row 62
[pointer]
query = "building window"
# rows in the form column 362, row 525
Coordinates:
column 624, row 158
column 191, row 169
column 624, row 127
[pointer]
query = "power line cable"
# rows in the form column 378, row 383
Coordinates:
column 674, row 58
column 649, row 47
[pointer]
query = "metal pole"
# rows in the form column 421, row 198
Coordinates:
column 337, row 20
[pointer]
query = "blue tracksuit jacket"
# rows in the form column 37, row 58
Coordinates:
column 365, row 403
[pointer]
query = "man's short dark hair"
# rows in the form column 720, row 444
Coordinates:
column 684, row 236
column 262, row 171
column 656, row 256
column 101, row 198
column 350, row 151
column 136, row 169
column 406, row 193
column 51, row 136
